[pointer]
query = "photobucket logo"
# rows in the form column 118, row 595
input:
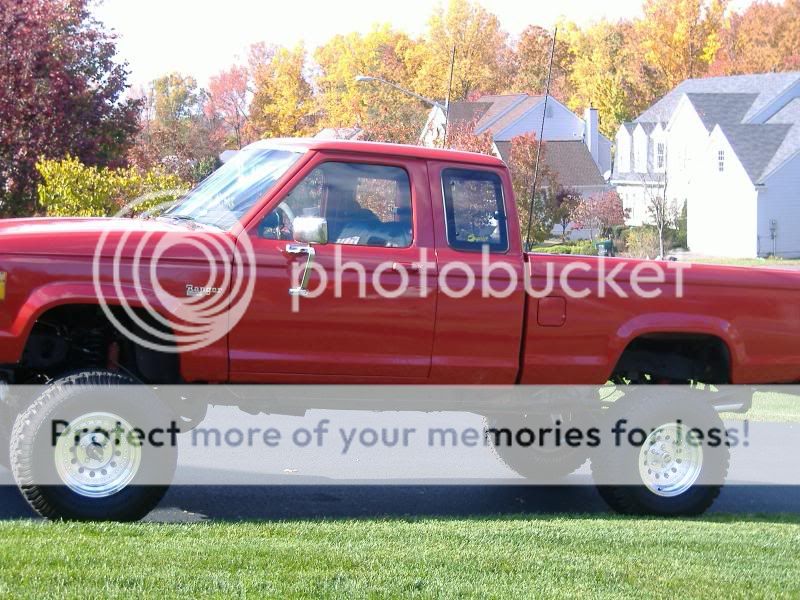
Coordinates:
column 171, row 285
column 493, row 278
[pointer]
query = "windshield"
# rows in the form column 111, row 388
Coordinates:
column 227, row 194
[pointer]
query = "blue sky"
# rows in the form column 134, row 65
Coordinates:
column 201, row 38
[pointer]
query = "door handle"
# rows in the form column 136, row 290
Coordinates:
column 412, row 267
column 302, row 289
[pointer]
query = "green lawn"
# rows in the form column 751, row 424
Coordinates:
column 751, row 262
column 771, row 407
column 511, row 557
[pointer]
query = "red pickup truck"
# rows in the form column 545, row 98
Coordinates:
column 432, row 286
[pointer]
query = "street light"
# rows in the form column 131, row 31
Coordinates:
column 434, row 103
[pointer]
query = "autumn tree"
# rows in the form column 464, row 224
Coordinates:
column 604, row 73
column 764, row 37
column 680, row 38
column 61, row 92
column 283, row 103
column 481, row 52
column 532, row 61
column 562, row 204
column 227, row 106
column 384, row 113
column 599, row 213
column 461, row 136
column 175, row 132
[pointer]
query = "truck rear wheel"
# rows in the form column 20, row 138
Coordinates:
column 668, row 473
column 93, row 469
column 540, row 463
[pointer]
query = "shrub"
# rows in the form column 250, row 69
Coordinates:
column 70, row 188
column 642, row 242
column 583, row 247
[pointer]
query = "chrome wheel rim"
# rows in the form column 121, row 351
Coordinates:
column 668, row 463
column 95, row 457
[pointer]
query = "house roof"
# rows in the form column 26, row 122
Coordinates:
column 755, row 145
column 737, row 104
column 467, row 112
column 721, row 108
column 766, row 86
column 499, row 104
column 571, row 162
column 788, row 115
column 648, row 127
column 509, row 117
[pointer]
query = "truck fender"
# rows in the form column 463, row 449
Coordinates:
column 679, row 323
column 47, row 297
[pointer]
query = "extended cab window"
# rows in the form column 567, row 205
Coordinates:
column 474, row 210
column 364, row 205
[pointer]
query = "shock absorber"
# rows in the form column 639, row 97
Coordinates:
column 93, row 347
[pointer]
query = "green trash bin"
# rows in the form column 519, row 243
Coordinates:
column 605, row 248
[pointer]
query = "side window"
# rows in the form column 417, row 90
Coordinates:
column 474, row 210
column 364, row 205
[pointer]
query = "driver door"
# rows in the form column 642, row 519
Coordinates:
column 363, row 319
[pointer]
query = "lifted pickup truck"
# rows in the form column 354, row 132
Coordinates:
column 436, row 289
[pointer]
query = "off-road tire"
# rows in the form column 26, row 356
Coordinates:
column 611, row 464
column 532, row 462
column 59, row 501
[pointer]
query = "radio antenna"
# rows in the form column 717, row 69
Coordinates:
column 541, row 138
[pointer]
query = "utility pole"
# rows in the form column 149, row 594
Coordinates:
column 541, row 137
column 449, row 91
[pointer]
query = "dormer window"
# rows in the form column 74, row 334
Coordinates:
column 660, row 156
column 721, row 161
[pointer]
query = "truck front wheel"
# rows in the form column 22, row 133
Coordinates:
column 76, row 452
column 677, row 463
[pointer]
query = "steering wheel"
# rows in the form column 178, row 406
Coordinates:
column 283, row 207
column 276, row 225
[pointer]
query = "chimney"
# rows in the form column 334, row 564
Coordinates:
column 591, row 135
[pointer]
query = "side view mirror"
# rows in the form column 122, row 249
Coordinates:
column 310, row 230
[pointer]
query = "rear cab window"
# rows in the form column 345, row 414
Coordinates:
column 474, row 206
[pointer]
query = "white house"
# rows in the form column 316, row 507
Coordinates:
column 575, row 149
column 729, row 149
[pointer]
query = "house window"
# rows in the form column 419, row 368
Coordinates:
column 721, row 160
column 549, row 112
column 660, row 156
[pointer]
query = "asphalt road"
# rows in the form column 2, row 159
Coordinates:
column 188, row 503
